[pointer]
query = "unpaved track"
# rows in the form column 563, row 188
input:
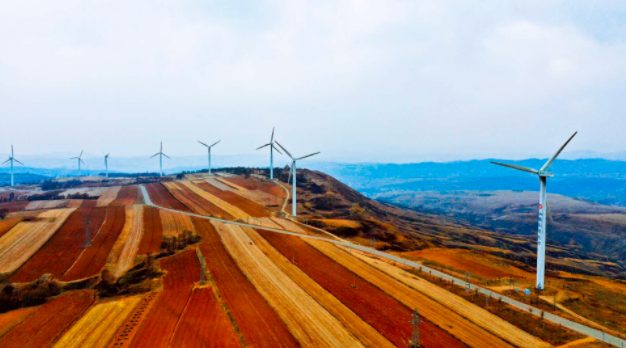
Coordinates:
column 580, row 328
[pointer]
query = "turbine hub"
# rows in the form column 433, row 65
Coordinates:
column 545, row 174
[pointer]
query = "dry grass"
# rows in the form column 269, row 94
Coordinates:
column 306, row 319
column 233, row 185
column 108, row 196
column 368, row 335
column 174, row 224
column 463, row 329
column 227, row 207
column 341, row 223
column 478, row 315
column 23, row 240
column 288, row 225
column 220, row 185
column 261, row 198
column 97, row 327
column 122, row 256
column 264, row 222
column 37, row 205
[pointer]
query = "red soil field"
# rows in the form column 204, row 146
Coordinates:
column 259, row 325
column 89, row 203
column 14, row 206
column 48, row 323
column 248, row 206
column 92, row 260
column 204, row 324
column 63, row 248
column 388, row 316
column 128, row 195
column 198, row 204
column 252, row 184
column 6, row 225
column 163, row 198
column 182, row 271
column 153, row 233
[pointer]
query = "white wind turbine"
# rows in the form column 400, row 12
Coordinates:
column 293, row 169
column 160, row 154
column 209, row 150
column 106, row 165
column 12, row 159
column 544, row 209
column 272, row 148
column 79, row 160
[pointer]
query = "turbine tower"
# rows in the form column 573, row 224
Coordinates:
column 106, row 165
column 272, row 148
column 209, row 150
column 293, row 169
column 12, row 159
column 161, row 154
column 544, row 209
column 79, row 160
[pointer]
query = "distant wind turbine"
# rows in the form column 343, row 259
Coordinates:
column 12, row 159
column 209, row 149
column 79, row 160
column 106, row 165
column 272, row 148
column 293, row 169
column 160, row 154
column 544, row 209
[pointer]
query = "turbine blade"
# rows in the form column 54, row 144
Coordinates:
column 303, row 157
column 290, row 170
column 165, row 155
column 156, row 154
column 258, row 148
column 18, row 161
column 74, row 158
column 11, row 150
column 551, row 160
column 107, row 154
column 81, row 161
column 81, row 153
column 271, row 140
column 9, row 160
column 287, row 152
column 203, row 143
column 525, row 169
column 277, row 150
column 549, row 212
column 215, row 143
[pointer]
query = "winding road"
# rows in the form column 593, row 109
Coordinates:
column 580, row 328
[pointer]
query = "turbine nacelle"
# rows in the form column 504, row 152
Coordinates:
column 545, row 174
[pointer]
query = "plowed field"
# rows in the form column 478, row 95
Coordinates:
column 124, row 250
column 248, row 206
column 196, row 203
column 261, row 198
column 158, row 327
column 204, row 324
column 108, row 196
column 220, row 203
column 96, row 328
column 258, row 323
column 232, row 185
column 381, row 311
column 63, row 248
column 174, row 224
column 152, row 232
column 309, row 322
column 128, row 329
column 14, row 317
column 25, row 239
column 6, row 225
column 92, row 259
column 163, row 198
column 44, row 326
column 126, row 196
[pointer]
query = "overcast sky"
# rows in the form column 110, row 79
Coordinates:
column 358, row 80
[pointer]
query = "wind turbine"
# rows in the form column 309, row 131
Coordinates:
column 293, row 169
column 272, row 148
column 106, row 164
column 12, row 159
column 79, row 161
column 209, row 149
column 160, row 154
column 543, row 175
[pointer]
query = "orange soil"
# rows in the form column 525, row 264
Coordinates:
column 127, row 196
column 153, row 233
column 6, row 225
column 125, row 334
column 14, row 317
column 204, row 323
column 248, row 206
column 163, row 198
column 249, row 183
column 63, row 248
column 89, row 203
column 92, row 260
column 198, row 204
column 48, row 323
column 258, row 323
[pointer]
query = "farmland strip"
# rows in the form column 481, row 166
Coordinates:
column 127, row 331
column 229, row 208
column 14, row 317
column 362, row 330
column 258, row 323
column 260, row 198
column 307, row 320
column 383, row 312
column 163, row 198
column 43, row 327
column 231, row 184
column 54, row 204
column 463, row 329
column 289, row 225
column 204, row 323
column 248, row 207
column 23, row 240
column 127, row 195
column 153, row 233
column 97, row 327
column 175, row 224
column 123, row 254
column 6, row 225
column 63, row 248
column 92, row 259
column 220, row 185
column 108, row 196
column 196, row 203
